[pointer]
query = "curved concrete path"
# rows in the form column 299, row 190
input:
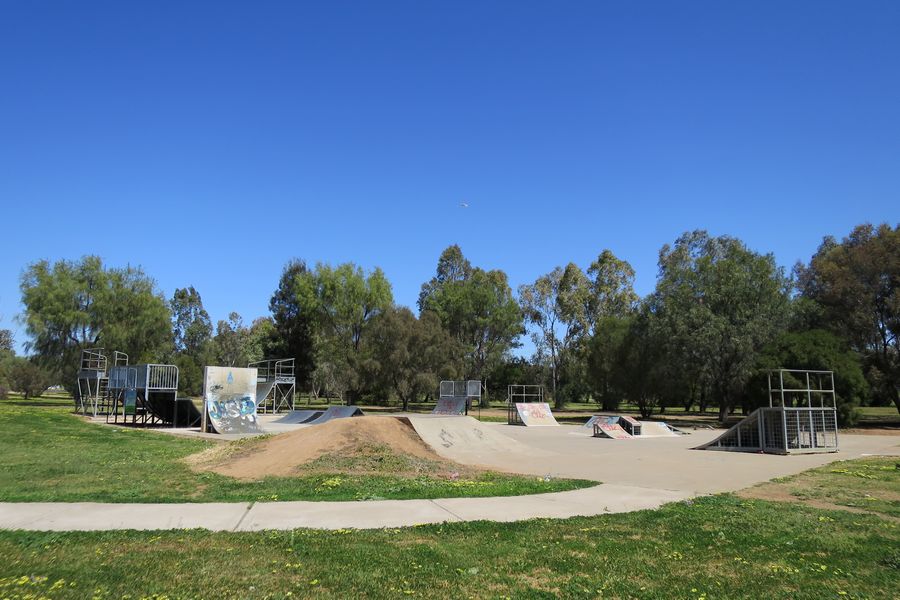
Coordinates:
column 373, row 514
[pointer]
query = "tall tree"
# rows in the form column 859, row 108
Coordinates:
column 717, row 305
column 411, row 355
column 7, row 341
column 857, row 282
column 191, row 325
column 555, row 305
column 476, row 307
column 72, row 305
column 611, row 288
column 230, row 344
column 293, row 326
column 344, row 301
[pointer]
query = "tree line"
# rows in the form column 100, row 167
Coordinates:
column 719, row 317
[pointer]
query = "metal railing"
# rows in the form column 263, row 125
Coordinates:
column 277, row 369
column 158, row 377
column 93, row 360
column 460, row 389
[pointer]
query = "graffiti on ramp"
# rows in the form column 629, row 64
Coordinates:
column 229, row 394
column 535, row 414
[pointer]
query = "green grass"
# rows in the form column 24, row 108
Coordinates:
column 713, row 548
column 50, row 455
column 871, row 484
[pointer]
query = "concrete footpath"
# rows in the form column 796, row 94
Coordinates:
column 259, row 516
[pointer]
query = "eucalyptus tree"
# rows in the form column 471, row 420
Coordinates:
column 343, row 300
column 410, row 355
column 476, row 307
column 857, row 283
column 717, row 304
column 555, row 305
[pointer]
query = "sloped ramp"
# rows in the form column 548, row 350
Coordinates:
column 611, row 430
column 450, row 406
column 535, row 414
column 263, row 389
column 336, row 412
column 656, row 429
column 469, row 441
column 744, row 436
column 295, row 417
column 609, row 419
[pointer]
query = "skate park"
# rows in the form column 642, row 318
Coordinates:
column 635, row 464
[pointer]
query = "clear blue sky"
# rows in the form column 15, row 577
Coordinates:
column 211, row 142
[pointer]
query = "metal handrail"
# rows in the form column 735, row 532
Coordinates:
column 273, row 368
column 93, row 360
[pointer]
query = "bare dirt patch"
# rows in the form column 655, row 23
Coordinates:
column 350, row 444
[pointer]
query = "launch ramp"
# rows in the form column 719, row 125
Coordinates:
column 786, row 426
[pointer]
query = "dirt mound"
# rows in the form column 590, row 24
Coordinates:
column 283, row 454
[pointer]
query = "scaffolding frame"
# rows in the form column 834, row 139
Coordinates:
column 520, row 394
column 134, row 389
column 276, row 381
column 469, row 389
column 801, row 417
column 92, row 381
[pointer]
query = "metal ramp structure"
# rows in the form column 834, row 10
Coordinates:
column 93, row 381
column 801, row 417
column 275, row 384
column 297, row 417
column 147, row 394
column 455, row 397
column 623, row 427
column 525, row 405
column 336, row 412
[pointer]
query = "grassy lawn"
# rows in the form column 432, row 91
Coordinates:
column 868, row 484
column 712, row 548
column 52, row 455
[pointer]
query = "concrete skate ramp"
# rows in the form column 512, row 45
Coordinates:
column 608, row 419
column 613, row 431
column 229, row 394
column 656, row 429
column 336, row 412
column 262, row 390
column 468, row 441
column 535, row 414
column 450, row 406
column 295, row 417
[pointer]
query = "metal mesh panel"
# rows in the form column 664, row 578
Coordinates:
column 773, row 430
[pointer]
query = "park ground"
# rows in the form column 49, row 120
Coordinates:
column 831, row 532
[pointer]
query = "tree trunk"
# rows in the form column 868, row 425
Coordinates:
column 723, row 409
